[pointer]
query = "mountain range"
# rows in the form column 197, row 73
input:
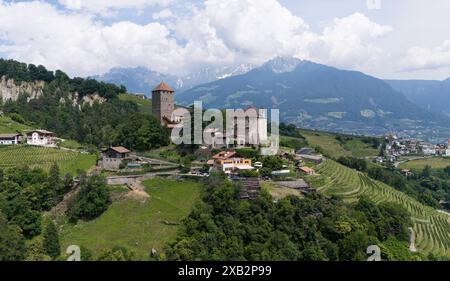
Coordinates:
column 143, row 80
column 431, row 95
column 311, row 95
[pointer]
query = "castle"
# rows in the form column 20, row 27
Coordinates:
column 163, row 104
column 255, row 134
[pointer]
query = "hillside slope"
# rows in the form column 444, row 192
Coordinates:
column 311, row 95
column 432, row 228
column 433, row 96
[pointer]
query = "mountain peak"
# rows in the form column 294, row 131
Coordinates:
column 282, row 64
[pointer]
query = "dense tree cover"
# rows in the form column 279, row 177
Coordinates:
column 290, row 130
column 103, row 123
column 12, row 242
column 36, row 250
column 354, row 163
column 273, row 162
column 25, row 193
column 21, row 72
column 51, row 240
column 371, row 141
column 114, row 122
column 223, row 227
column 92, row 199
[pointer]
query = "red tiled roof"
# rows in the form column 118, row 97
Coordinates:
column 120, row 149
column 224, row 155
column 163, row 87
column 307, row 169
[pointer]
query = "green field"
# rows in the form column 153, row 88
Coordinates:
column 145, row 106
column 435, row 163
column 332, row 147
column 136, row 224
column 43, row 157
column 8, row 126
column 432, row 228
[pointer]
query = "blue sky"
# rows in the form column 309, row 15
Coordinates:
column 401, row 39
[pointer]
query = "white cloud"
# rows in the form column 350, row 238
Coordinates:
column 80, row 45
column 427, row 58
column 106, row 6
column 255, row 31
column 164, row 14
column 215, row 33
column 350, row 42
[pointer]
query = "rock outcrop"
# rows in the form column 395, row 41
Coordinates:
column 10, row 90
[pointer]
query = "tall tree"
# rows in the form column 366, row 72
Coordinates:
column 12, row 242
column 51, row 240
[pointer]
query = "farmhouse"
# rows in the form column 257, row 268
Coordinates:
column 40, row 138
column 10, row 139
column 113, row 157
column 228, row 162
column 118, row 152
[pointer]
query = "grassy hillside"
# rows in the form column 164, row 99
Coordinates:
column 333, row 147
column 42, row 157
column 136, row 224
column 431, row 228
column 7, row 125
column 435, row 163
column 145, row 105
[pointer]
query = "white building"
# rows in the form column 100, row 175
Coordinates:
column 255, row 129
column 10, row 139
column 447, row 152
column 40, row 138
column 429, row 149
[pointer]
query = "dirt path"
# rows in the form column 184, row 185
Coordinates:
column 412, row 245
column 63, row 205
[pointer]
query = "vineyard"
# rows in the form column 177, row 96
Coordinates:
column 43, row 157
column 432, row 228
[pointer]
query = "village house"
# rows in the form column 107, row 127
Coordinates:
column 10, row 139
column 228, row 162
column 113, row 157
column 307, row 170
column 142, row 96
column 40, row 138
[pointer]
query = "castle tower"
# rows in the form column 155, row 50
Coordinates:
column 163, row 102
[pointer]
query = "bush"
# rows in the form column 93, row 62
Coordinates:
column 92, row 200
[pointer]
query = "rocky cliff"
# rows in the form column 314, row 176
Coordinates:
column 10, row 90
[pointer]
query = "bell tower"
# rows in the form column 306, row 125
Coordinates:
column 163, row 102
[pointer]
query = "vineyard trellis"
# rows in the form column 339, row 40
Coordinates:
column 40, row 157
column 431, row 227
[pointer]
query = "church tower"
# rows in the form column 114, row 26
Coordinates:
column 163, row 102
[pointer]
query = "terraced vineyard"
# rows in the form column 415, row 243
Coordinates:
column 431, row 227
column 43, row 157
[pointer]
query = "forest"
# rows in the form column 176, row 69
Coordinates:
column 112, row 122
column 314, row 228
